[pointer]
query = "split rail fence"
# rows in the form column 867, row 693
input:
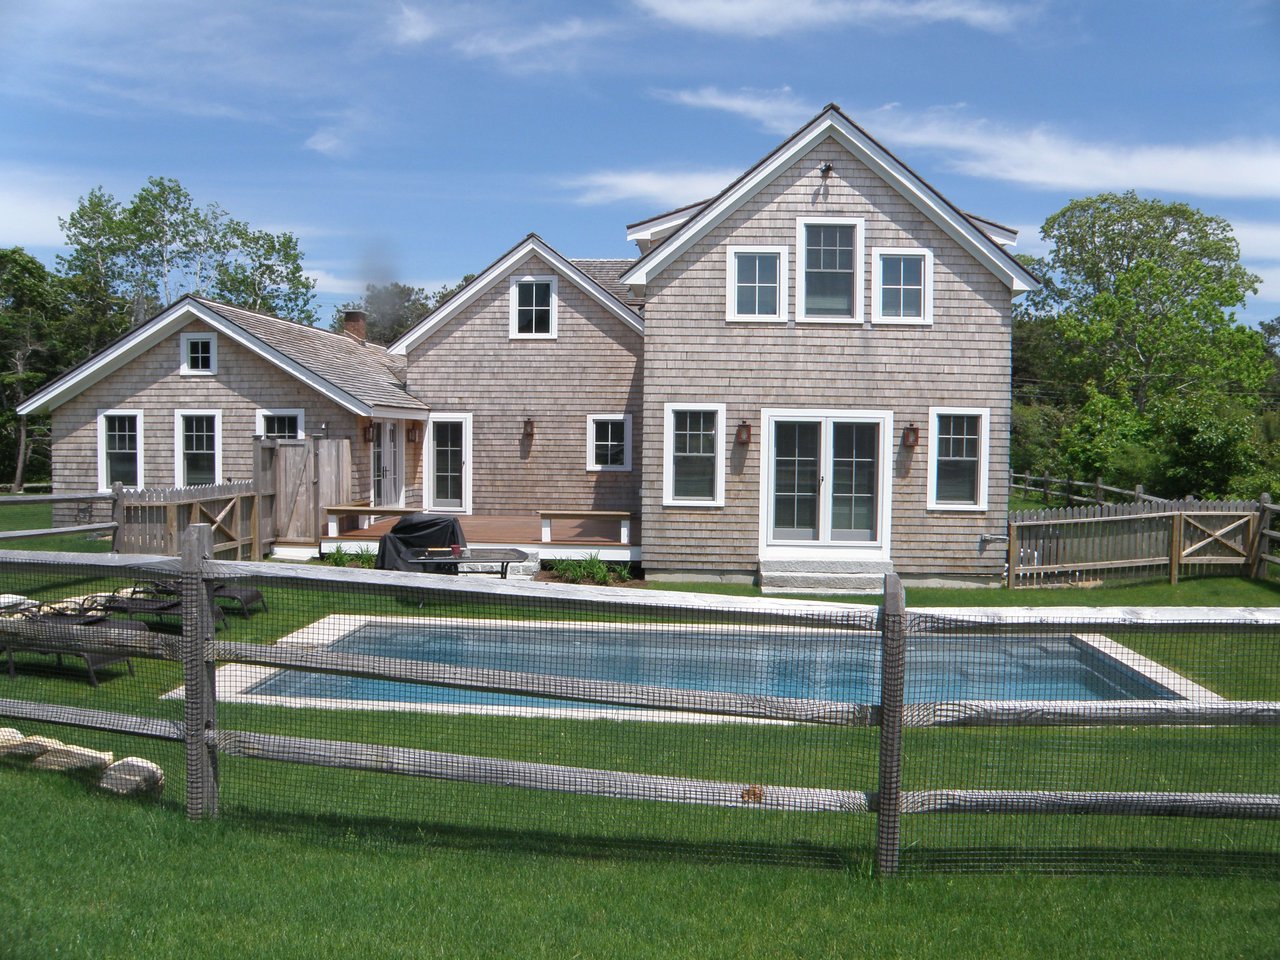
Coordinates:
column 802, row 769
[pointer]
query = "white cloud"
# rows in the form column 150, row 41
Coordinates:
column 338, row 139
column 1042, row 157
column 776, row 111
column 333, row 284
column 511, row 44
column 765, row 18
column 410, row 26
column 664, row 188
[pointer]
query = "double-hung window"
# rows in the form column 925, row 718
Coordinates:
column 199, row 354
column 120, row 448
column 609, row 442
column 902, row 285
column 533, row 308
column 198, row 443
column 829, row 272
column 757, row 283
column 958, row 458
column 693, row 462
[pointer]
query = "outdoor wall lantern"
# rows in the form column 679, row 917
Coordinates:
column 528, row 428
column 412, row 433
column 370, row 433
column 743, row 434
column 910, row 435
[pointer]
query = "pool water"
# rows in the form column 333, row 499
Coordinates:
column 815, row 664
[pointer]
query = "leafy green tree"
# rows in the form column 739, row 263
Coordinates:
column 126, row 263
column 1135, row 338
column 34, row 308
column 392, row 309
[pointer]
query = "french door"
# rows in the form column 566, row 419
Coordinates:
column 387, row 463
column 448, row 467
column 824, row 483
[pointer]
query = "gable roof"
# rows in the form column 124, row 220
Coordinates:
column 608, row 274
column 357, row 376
column 496, row 271
column 833, row 123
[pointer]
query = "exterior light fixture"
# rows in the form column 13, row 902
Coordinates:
column 528, row 428
column 826, row 169
column 910, row 435
column 412, row 433
column 743, row 433
column 370, row 433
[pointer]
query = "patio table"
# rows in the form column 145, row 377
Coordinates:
column 447, row 561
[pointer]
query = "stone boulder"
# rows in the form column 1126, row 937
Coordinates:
column 132, row 777
column 70, row 757
column 8, row 737
column 30, row 747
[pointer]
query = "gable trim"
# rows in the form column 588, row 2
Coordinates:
column 133, row 344
column 496, row 271
column 833, row 123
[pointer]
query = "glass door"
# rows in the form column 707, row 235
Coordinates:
column 447, row 464
column 386, row 464
column 825, row 480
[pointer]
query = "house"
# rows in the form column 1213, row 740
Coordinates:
column 803, row 380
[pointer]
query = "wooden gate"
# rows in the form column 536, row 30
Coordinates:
column 309, row 475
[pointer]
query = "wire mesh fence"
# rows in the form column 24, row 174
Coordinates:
column 460, row 711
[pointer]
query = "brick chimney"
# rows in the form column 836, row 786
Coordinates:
column 353, row 324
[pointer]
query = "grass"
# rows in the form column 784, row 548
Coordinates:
column 39, row 516
column 319, row 863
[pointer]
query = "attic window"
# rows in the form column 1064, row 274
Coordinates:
column 533, row 308
column 199, row 354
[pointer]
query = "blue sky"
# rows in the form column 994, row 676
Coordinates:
column 416, row 141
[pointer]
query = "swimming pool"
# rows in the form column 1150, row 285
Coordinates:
column 810, row 663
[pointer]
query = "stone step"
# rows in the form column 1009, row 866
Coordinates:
column 816, row 582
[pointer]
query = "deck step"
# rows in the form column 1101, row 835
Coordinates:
column 823, row 576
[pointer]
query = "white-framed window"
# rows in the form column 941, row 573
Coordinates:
column 756, row 283
column 901, row 285
column 693, row 454
column 120, row 449
column 533, row 308
column 447, row 463
column 281, row 424
column 609, row 442
column 197, row 447
column 829, row 257
column 959, row 450
column 199, row 354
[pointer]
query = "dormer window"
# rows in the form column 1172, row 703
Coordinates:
column 533, row 308
column 199, row 354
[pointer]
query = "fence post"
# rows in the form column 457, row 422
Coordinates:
column 1097, row 490
column 1257, row 566
column 117, row 515
column 197, row 635
column 1046, row 488
column 1138, row 491
column 1012, row 563
column 1175, row 547
column 893, row 632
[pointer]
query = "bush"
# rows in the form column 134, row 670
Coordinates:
column 589, row 569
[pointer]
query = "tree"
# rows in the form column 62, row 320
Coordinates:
column 392, row 309
column 128, row 262
column 33, row 310
column 1136, row 338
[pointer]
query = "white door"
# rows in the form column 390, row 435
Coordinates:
column 386, row 457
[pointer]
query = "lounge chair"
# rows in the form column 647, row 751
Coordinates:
column 246, row 598
column 76, row 614
column 156, row 598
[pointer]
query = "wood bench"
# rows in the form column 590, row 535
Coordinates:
column 622, row 516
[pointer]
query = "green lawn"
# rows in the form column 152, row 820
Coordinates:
column 39, row 516
column 315, row 863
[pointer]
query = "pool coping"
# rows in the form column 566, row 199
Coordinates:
column 235, row 681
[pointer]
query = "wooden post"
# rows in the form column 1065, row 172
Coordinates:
column 1046, row 488
column 1138, row 491
column 1175, row 547
column 1013, row 556
column 197, row 636
column 1258, row 566
column 1097, row 490
column 893, row 631
column 117, row 515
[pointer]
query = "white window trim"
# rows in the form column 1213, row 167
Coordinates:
column 513, row 297
column 260, row 426
column 178, row 479
column 877, row 276
column 184, row 341
column 859, row 270
column 103, row 485
column 428, row 463
column 592, row 420
column 731, row 285
column 984, row 457
column 844, row 549
column 668, row 453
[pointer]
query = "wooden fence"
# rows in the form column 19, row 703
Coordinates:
column 199, row 651
column 1177, row 537
column 1068, row 491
